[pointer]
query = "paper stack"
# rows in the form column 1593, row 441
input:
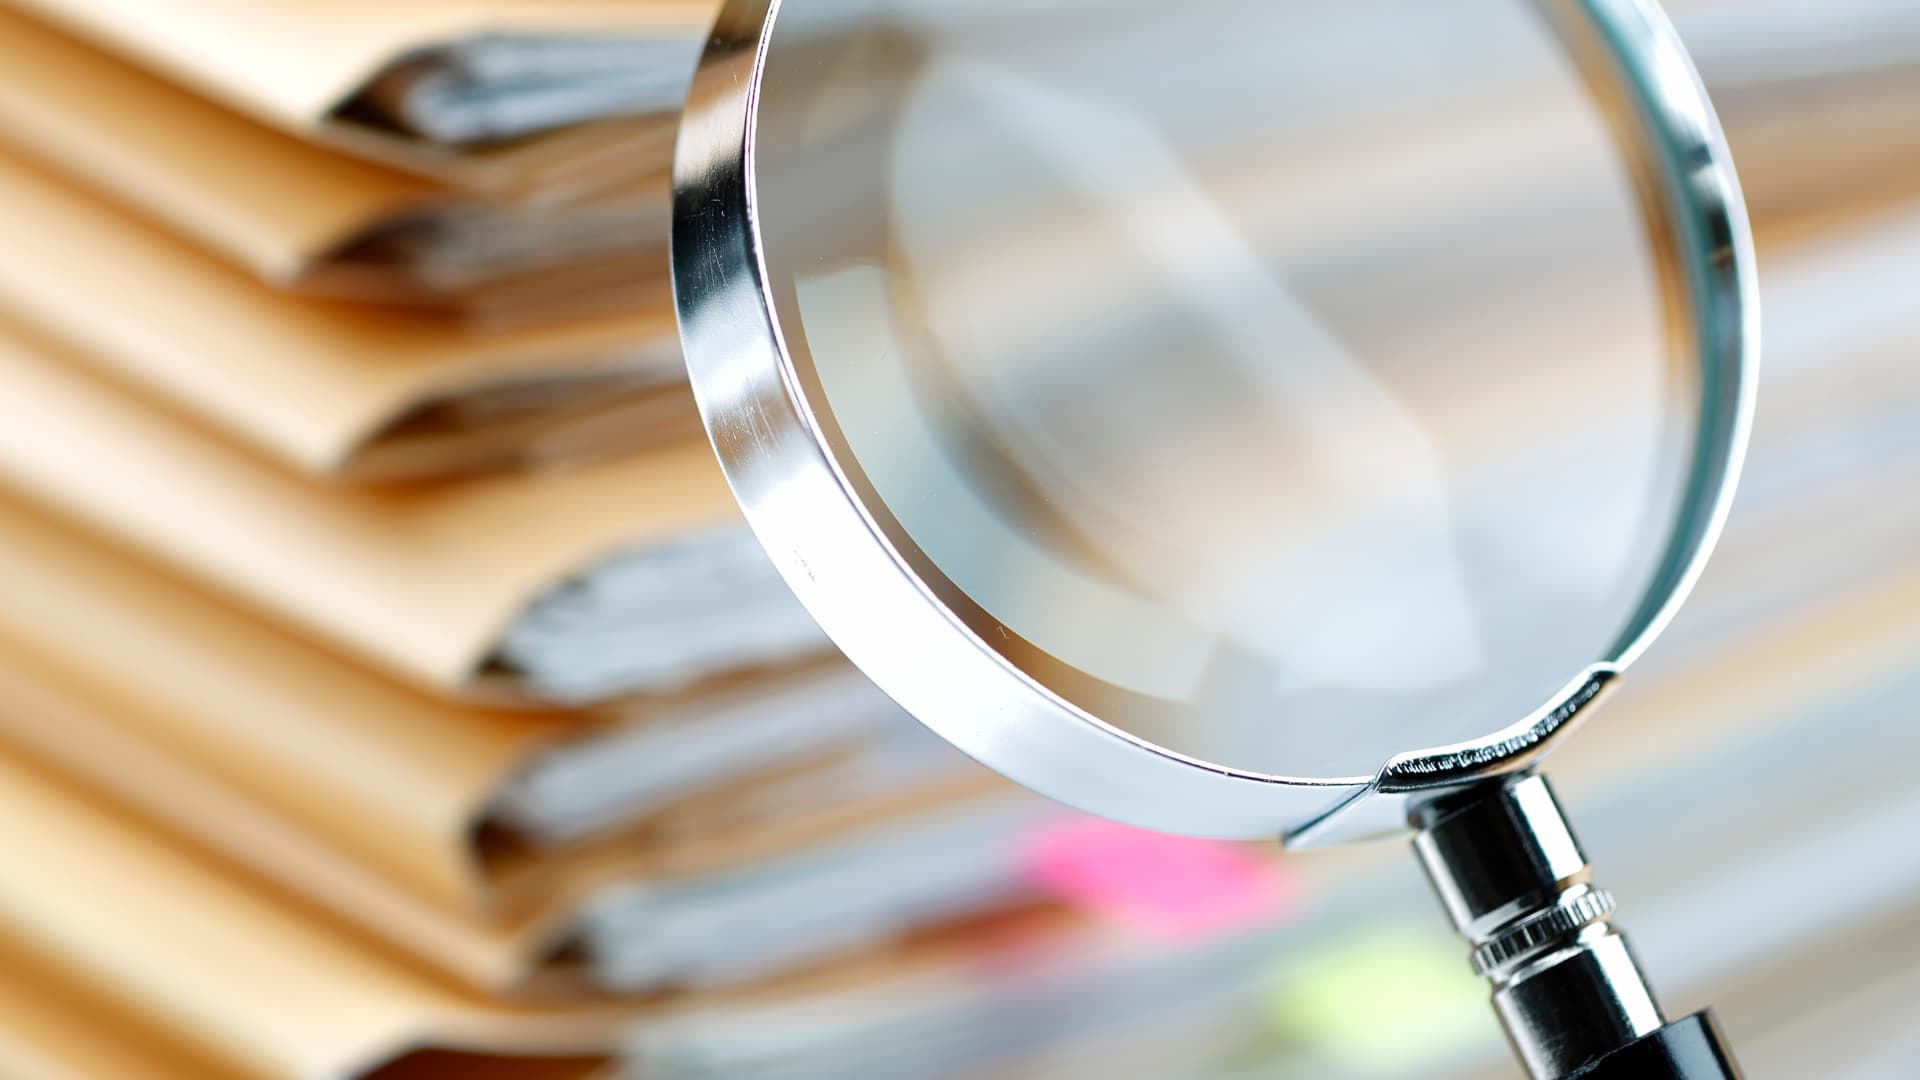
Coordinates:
column 1748, row 797
column 388, row 685
column 1817, row 98
column 389, row 688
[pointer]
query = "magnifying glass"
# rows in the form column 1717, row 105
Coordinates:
column 1255, row 418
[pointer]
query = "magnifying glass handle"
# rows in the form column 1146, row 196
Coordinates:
column 1565, row 984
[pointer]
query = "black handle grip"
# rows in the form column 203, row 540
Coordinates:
column 1690, row 1049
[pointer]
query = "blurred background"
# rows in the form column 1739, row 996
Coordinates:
column 390, row 689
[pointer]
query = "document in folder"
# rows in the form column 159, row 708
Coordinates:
column 496, row 94
column 333, row 390
column 233, row 975
column 632, row 575
column 435, row 827
column 304, row 217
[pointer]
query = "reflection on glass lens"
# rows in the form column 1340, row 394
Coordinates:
column 1290, row 384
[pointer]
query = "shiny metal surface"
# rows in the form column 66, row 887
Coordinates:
column 969, row 677
column 1577, row 1005
column 1513, row 879
column 1502, row 851
column 1575, row 909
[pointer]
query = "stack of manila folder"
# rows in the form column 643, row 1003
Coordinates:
column 388, row 685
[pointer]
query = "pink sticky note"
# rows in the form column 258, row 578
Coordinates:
column 1169, row 886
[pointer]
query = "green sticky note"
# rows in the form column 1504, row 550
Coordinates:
column 1384, row 1000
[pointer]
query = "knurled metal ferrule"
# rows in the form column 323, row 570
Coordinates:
column 1574, row 911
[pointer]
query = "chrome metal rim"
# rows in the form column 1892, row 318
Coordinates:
column 861, row 586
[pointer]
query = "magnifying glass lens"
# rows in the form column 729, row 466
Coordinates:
column 1288, row 384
